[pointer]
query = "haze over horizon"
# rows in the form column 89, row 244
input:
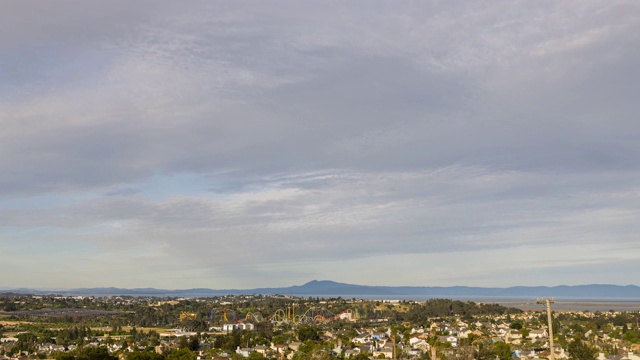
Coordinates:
column 209, row 144
column 323, row 288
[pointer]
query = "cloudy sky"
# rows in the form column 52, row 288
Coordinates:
column 241, row 144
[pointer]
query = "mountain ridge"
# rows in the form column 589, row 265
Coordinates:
column 333, row 288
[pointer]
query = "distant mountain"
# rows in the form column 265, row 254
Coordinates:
column 327, row 288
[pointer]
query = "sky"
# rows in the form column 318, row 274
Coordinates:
column 243, row 144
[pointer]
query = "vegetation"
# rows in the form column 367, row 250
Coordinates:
column 137, row 328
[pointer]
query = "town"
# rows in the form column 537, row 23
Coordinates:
column 256, row 327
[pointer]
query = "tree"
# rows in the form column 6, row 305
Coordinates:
column 254, row 355
column 236, row 356
column 360, row 356
column 95, row 353
column 143, row 355
column 281, row 338
column 63, row 356
column 317, row 354
column 308, row 333
column 194, row 343
column 183, row 343
column 579, row 350
column 181, row 354
column 26, row 341
column 500, row 350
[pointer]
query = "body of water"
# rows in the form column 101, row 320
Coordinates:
column 524, row 303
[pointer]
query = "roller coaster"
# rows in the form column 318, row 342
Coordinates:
column 254, row 317
column 349, row 315
column 288, row 315
column 222, row 315
column 310, row 316
column 187, row 316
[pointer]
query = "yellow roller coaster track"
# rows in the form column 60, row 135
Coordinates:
column 187, row 316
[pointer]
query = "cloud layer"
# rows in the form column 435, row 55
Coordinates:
column 249, row 144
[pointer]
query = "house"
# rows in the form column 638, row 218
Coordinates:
column 336, row 351
column 441, row 326
column 261, row 349
column 625, row 356
column 351, row 352
column 243, row 351
column 386, row 351
column 537, row 334
column 450, row 339
column 278, row 348
column 558, row 351
column 513, row 336
column 367, row 348
column 49, row 347
column 523, row 355
column 414, row 352
column 463, row 333
column 362, row 338
column 416, row 339
column 329, row 335
column 422, row 345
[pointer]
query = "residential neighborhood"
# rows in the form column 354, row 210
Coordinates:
column 281, row 327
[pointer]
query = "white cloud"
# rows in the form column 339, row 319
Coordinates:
column 298, row 135
column 317, row 218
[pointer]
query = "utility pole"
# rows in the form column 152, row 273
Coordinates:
column 393, row 339
column 548, row 302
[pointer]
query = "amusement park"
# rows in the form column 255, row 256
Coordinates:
column 225, row 319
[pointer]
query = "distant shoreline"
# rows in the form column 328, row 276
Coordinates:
column 602, row 306
column 523, row 303
column 519, row 302
column 594, row 297
column 561, row 304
